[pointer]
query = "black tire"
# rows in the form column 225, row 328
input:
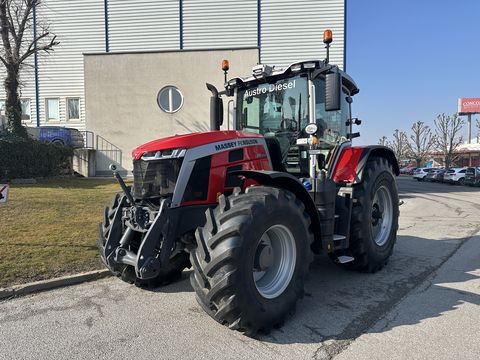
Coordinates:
column 58, row 142
column 168, row 274
column 223, row 261
column 461, row 181
column 370, row 256
column 419, row 179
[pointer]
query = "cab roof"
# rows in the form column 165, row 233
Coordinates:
column 263, row 73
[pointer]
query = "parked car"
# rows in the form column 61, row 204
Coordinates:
column 412, row 170
column 455, row 176
column 407, row 170
column 421, row 173
column 435, row 175
column 58, row 135
column 472, row 176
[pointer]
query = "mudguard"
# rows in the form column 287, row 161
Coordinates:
column 348, row 168
column 291, row 183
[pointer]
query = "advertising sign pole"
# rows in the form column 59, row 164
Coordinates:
column 469, row 128
column 469, row 106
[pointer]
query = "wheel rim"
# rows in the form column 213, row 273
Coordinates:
column 274, row 261
column 382, row 215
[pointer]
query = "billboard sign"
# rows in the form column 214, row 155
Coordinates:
column 469, row 105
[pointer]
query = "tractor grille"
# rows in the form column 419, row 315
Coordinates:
column 155, row 178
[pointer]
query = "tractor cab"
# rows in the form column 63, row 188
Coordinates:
column 300, row 108
column 282, row 106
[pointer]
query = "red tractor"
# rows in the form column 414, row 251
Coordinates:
column 248, row 208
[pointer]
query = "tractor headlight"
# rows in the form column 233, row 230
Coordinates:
column 164, row 154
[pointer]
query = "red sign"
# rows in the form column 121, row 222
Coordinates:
column 469, row 105
column 3, row 193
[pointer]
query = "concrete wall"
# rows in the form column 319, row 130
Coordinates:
column 121, row 96
column 83, row 162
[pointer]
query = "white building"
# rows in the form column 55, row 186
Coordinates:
column 285, row 31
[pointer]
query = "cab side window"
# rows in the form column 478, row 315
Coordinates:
column 331, row 124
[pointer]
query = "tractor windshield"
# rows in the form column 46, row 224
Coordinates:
column 274, row 108
column 280, row 112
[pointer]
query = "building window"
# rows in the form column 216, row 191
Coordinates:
column 25, row 103
column 170, row 99
column 73, row 109
column 51, row 109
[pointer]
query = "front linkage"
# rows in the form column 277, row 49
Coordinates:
column 155, row 247
column 125, row 223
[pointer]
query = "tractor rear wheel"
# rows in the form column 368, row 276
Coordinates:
column 168, row 274
column 374, row 223
column 251, row 259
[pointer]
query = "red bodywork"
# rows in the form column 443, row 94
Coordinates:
column 346, row 167
column 189, row 141
column 255, row 158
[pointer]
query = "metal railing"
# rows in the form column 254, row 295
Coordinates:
column 111, row 151
column 88, row 139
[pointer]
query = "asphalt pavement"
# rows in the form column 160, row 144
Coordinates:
column 423, row 304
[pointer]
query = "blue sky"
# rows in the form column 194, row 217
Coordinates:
column 411, row 60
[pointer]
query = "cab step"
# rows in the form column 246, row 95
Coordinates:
column 337, row 237
column 343, row 259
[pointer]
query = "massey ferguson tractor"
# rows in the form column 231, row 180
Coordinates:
column 248, row 208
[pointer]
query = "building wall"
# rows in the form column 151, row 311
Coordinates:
column 224, row 24
column 79, row 25
column 121, row 96
column 285, row 31
column 143, row 25
column 293, row 30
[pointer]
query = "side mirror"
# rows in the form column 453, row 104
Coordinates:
column 333, row 91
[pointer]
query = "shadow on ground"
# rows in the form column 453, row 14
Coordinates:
column 340, row 305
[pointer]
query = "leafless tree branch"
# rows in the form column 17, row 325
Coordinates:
column 16, row 20
column 399, row 144
column 421, row 142
column 448, row 138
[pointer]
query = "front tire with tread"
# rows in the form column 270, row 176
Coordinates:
column 224, row 258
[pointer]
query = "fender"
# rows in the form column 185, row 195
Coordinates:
column 291, row 183
column 352, row 160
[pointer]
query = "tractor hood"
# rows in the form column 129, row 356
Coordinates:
column 188, row 141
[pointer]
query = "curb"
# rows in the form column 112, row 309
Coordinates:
column 44, row 285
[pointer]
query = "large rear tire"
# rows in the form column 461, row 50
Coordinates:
column 251, row 259
column 168, row 274
column 374, row 222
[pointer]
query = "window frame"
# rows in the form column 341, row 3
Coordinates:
column 47, row 119
column 66, row 108
column 29, row 108
column 170, row 89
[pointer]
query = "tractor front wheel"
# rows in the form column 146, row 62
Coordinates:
column 251, row 258
column 375, row 214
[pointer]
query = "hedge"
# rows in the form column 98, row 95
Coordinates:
column 28, row 158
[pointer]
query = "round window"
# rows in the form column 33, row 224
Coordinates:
column 170, row 99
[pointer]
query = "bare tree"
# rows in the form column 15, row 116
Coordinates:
column 19, row 43
column 448, row 138
column 399, row 144
column 421, row 142
column 383, row 141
